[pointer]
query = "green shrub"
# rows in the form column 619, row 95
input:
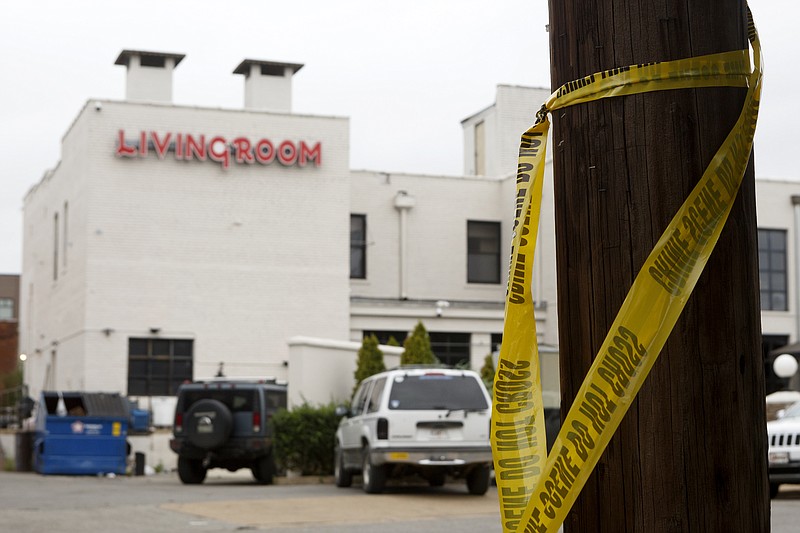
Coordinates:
column 417, row 348
column 487, row 373
column 370, row 360
column 304, row 439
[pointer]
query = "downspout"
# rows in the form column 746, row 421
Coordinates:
column 403, row 203
column 796, row 205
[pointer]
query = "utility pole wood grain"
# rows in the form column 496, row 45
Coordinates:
column 690, row 456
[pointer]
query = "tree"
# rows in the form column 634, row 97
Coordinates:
column 417, row 348
column 690, row 453
column 370, row 360
column 487, row 373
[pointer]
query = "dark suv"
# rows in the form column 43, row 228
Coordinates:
column 225, row 423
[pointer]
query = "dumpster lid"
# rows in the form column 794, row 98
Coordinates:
column 81, row 403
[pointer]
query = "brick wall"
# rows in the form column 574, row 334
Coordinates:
column 8, row 347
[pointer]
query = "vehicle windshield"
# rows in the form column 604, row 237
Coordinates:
column 792, row 411
column 437, row 391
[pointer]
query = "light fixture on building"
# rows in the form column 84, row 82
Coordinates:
column 155, row 331
column 23, row 357
column 441, row 305
column 785, row 365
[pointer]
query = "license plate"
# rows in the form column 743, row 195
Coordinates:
column 439, row 434
column 398, row 456
column 778, row 457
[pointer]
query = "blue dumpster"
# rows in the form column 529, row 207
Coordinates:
column 81, row 433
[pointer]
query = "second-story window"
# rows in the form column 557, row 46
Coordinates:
column 772, row 269
column 483, row 252
column 6, row 309
column 358, row 246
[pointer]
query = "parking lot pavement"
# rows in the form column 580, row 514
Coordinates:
column 350, row 508
column 30, row 503
column 230, row 502
column 330, row 505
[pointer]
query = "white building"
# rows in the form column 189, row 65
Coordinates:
column 170, row 238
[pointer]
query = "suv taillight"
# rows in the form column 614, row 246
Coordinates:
column 383, row 429
column 178, row 422
column 256, row 421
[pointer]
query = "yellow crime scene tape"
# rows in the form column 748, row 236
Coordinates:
column 536, row 491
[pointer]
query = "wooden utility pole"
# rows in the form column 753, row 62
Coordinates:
column 690, row 455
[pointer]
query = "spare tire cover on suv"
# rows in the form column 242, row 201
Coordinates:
column 208, row 424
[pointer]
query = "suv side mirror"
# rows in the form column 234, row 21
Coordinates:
column 342, row 410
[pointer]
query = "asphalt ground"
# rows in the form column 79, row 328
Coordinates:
column 31, row 503
column 227, row 501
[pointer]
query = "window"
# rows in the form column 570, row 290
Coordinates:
column 360, row 399
column 358, row 246
column 156, row 367
column 497, row 340
column 772, row 269
column 437, row 391
column 384, row 337
column 483, row 252
column 375, row 396
column 6, row 309
column 451, row 349
column 236, row 401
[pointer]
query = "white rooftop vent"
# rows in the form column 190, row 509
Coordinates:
column 149, row 75
column 267, row 84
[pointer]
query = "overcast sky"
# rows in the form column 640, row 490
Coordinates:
column 406, row 73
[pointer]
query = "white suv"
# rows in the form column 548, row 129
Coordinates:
column 784, row 448
column 433, row 422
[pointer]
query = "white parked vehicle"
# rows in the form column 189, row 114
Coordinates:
column 784, row 448
column 434, row 422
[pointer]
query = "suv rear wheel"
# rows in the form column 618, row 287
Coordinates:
column 478, row 480
column 264, row 469
column 191, row 471
column 373, row 476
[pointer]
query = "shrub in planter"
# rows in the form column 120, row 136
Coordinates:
column 417, row 348
column 487, row 373
column 370, row 360
column 304, row 437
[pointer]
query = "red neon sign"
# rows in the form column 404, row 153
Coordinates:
column 241, row 150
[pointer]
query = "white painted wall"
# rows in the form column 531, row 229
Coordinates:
column 774, row 210
column 512, row 114
column 437, row 234
column 244, row 259
column 238, row 260
column 323, row 370
column 149, row 84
